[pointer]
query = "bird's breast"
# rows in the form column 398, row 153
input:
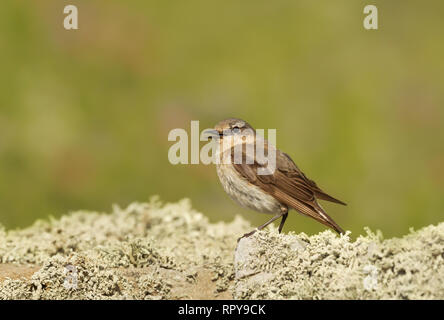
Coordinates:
column 245, row 193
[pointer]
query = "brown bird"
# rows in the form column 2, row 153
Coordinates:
column 274, row 190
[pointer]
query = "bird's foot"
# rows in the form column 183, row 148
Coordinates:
column 247, row 235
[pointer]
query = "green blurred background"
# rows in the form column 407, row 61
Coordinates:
column 85, row 114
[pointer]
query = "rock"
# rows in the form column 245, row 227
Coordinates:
column 157, row 251
column 326, row 266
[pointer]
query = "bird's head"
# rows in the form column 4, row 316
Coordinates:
column 231, row 127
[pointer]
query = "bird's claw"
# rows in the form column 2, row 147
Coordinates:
column 247, row 235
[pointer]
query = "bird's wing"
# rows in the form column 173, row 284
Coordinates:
column 287, row 166
column 287, row 184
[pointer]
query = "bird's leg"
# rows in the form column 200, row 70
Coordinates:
column 284, row 217
column 263, row 226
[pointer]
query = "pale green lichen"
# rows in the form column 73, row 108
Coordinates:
column 139, row 252
column 156, row 251
column 326, row 266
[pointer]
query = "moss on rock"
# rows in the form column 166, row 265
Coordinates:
column 156, row 251
column 325, row 266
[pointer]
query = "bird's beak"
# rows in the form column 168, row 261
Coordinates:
column 212, row 134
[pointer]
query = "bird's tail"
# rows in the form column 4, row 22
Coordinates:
column 311, row 209
column 325, row 219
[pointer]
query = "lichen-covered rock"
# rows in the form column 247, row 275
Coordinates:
column 324, row 266
column 156, row 251
column 146, row 251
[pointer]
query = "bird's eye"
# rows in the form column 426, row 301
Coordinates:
column 236, row 129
